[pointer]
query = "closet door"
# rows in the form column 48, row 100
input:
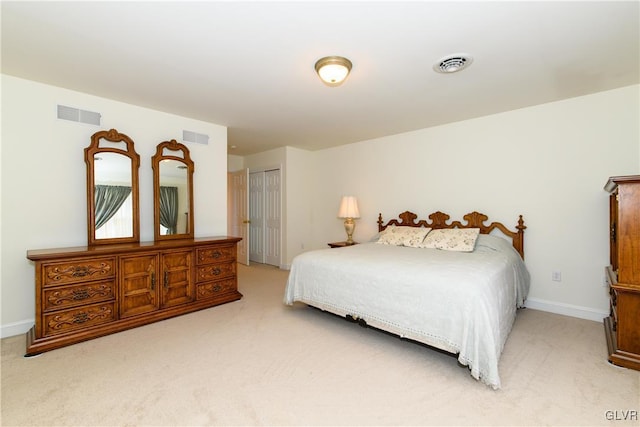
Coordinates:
column 256, row 217
column 272, row 214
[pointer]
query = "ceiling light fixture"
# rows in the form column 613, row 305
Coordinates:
column 453, row 63
column 333, row 70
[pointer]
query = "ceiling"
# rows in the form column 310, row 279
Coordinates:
column 250, row 65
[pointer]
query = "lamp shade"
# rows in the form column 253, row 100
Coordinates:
column 349, row 208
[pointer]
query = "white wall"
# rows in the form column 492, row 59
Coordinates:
column 548, row 162
column 301, row 190
column 43, row 203
column 234, row 163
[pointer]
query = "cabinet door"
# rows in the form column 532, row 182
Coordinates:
column 177, row 278
column 138, row 284
column 629, row 233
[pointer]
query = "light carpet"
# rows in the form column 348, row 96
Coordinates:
column 259, row 362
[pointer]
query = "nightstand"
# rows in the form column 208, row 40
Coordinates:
column 341, row 244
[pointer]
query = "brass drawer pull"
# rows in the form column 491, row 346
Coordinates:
column 80, row 271
column 216, row 271
column 80, row 294
column 80, row 317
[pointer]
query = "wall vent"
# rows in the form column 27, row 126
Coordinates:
column 198, row 138
column 77, row 115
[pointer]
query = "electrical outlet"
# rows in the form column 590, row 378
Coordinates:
column 556, row 276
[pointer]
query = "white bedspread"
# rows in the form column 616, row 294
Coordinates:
column 463, row 303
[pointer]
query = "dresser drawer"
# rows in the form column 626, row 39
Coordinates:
column 215, row 254
column 62, row 297
column 79, row 318
column 207, row 273
column 213, row 289
column 62, row 273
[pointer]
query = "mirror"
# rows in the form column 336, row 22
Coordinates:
column 172, row 191
column 112, row 189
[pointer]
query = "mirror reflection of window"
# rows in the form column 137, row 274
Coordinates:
column 120, row 224
column 113, row 201
column 174, row 198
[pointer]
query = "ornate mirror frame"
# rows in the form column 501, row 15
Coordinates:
column 118, row 144
column 171, row 153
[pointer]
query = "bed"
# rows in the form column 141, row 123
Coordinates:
column 461, row 301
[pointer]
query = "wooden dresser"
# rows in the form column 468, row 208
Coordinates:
column 622, row 327
column 87, row 292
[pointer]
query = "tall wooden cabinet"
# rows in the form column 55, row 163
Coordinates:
column 87, row 292
column 622, row 327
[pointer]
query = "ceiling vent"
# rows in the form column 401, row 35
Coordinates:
column 77, row 115
column 453, row 63
column 198, row 138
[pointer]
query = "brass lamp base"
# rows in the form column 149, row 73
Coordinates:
column 349, row 226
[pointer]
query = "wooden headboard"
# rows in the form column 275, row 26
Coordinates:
column 473, row 219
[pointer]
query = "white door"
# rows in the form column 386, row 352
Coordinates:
column 256, row 217
column 272, row 217
column 238, row 224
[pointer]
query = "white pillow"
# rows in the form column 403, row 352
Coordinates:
column 452, row 239
column 403, row 236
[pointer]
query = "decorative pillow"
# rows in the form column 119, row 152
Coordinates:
column 384, row 236
column 389, row 237
column 403, row 236
column 415, row 237
column 452, row 239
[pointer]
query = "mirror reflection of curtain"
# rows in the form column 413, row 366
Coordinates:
column 109, row 199
column 169, row 209
column 120, row 225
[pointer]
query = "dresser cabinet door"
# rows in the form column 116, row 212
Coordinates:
column 628, row 308
column 628, row 239
column 139, row 284
column 177, row 278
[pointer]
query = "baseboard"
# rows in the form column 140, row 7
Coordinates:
column 566, row 309
column 285, row 266
column 17, row 328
